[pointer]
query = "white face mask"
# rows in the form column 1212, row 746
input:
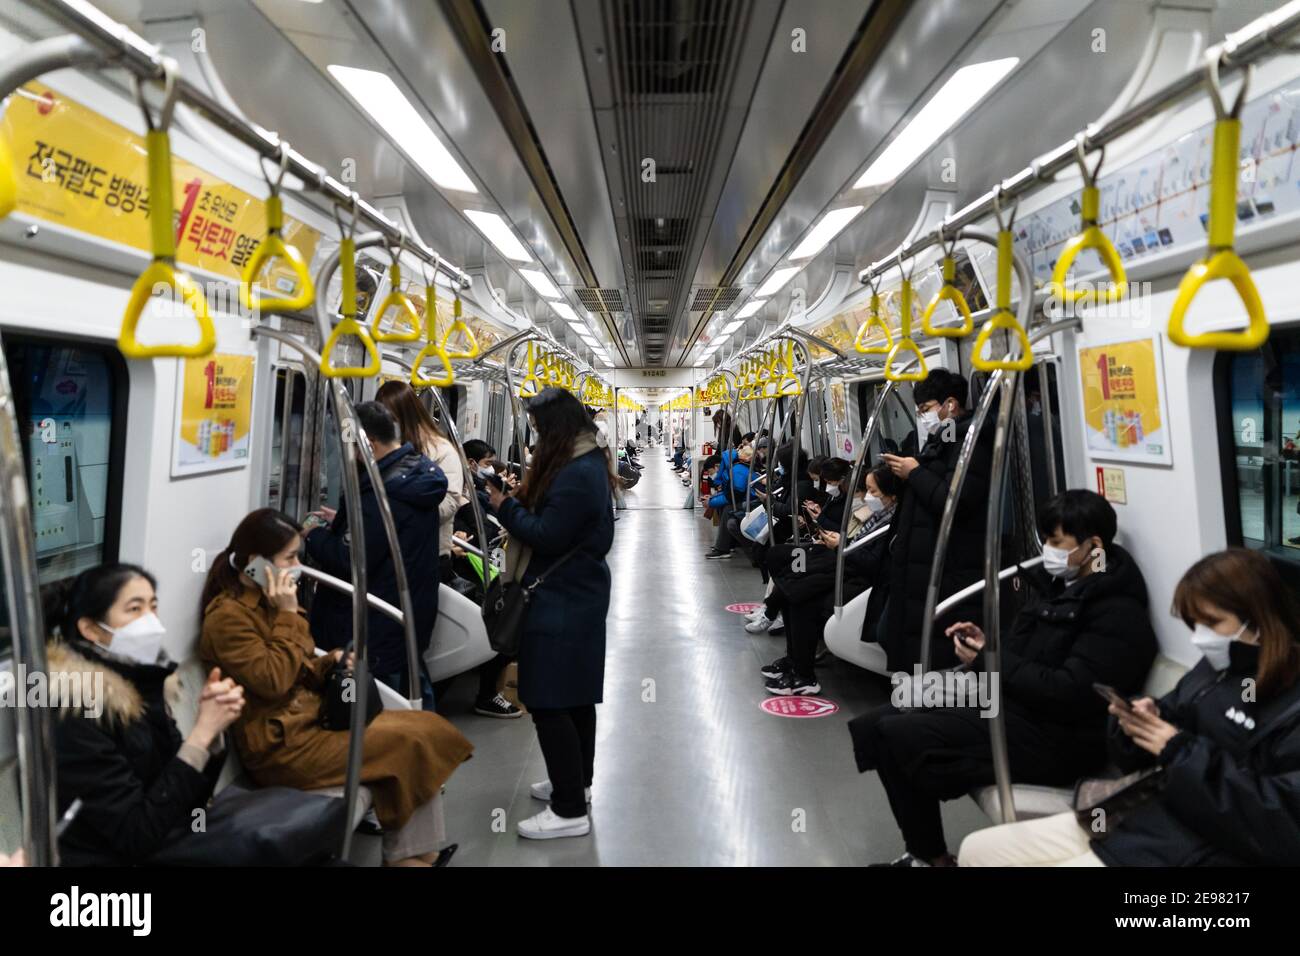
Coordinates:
column 832, row 491
column 1213, row 645
column 140, row 641
column 1056, row 562
column 874, row 504
column 927, row 424
column 487, row 470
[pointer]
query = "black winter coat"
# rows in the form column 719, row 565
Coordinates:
column 137, row 795
column 915, row 538
column 562, row 651
column 415, row 486
column 1232, row 788
column 1065, row 639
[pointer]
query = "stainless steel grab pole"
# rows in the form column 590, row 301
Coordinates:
column 45, row 56
column 143, row 59
column 323, row 323
column 34, row 725
column 1262, row 38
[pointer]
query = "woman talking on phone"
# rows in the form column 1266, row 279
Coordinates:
column 1221, row 751
column 256, row 633
column 561, row 527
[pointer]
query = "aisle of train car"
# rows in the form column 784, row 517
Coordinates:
column 690, row 771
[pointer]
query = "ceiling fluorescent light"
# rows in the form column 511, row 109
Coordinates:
column 778, row 278
column 499, row 234
column 545, row 288
column 728, row 329
column 393, row 113
column 954, row 100
column 752, row 306
column 825, row 231
column 564, row 311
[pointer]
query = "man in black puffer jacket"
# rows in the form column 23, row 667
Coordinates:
column 944, row 420
column 1085, row 622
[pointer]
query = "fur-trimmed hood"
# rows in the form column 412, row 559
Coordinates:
column 72, row 670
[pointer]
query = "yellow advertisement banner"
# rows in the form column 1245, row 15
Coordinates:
column 215, row 415
column 1122, row 401
column 76, row 168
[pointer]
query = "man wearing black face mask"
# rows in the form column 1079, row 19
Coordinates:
column 942, row 423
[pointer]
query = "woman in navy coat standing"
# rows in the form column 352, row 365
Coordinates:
column 561, row 527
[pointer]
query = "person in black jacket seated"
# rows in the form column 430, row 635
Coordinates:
column 1085, row 622
column 942, row 423
column 808, row 586
column 1222, row 748
column 415, row 487
column 117, row 749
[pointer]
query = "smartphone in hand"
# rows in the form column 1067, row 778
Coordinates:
column 1112, row 695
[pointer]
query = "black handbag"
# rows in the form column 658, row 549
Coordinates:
column 505, row 609
column 339, row 695
column 274, row 826
column 1115, row 799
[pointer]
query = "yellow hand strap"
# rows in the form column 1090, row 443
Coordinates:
column 1003, row 319
column 873, row 322
column 530, row 385
column 1221, row 262
column 399, row 300
column 348, row 324
column 8, row 185
column 948, row 292
column 432, row 350
column 1090, row 238
column 905, row 345
column 458, row 325
column 162, row 273
column 789, row 383
column 274, row 247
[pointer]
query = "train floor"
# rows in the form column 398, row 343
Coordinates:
column 690, row 771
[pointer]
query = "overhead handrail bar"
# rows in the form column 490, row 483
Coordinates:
column 1260, row 39
column 1221, row 260
column 162, row 271
column 145, row 60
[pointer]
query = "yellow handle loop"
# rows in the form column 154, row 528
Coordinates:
column 8, row 184
column 274, row 247
column 1222, row 262
column 399, row 300
column 458, row 325
column 530, row 385
column 1090, row 238
column 348, row 324
column 905, row 345
column 432, row 350
column 1003, row 319
column 162, row 272
column 873, row 321
column 948, row 292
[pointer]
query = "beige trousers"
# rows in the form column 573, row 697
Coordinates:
column 1057, row 840
column 425, row 832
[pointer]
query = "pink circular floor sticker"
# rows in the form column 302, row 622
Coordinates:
column 742, row 608
column 800, row 706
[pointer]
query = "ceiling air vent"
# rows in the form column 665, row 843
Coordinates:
column 714, row 298
column 601, row 300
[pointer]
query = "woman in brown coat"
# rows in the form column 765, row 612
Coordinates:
column 258, row 637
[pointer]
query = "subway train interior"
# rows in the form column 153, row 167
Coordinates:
column 901, row 396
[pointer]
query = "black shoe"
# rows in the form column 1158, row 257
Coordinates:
column 788, row 685
column 714, row 553
column 778, row 628
column 777, row 669
column 905, row 860
column 445, row 855
column 497, row 706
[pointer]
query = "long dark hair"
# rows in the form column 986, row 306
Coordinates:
column 263, row 532
column 90, row 594
column 413, row 420
column 560, row 419
column 1245, row 583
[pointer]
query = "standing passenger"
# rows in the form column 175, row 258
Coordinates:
column 561, row 526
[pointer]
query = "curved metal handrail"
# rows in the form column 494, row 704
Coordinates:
column 866, row 539
column 34, row 725
column 957, row 597
column 338, row 584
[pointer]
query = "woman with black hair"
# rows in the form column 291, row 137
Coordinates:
column 256, row 633
column 561, row 527
column 117, row 748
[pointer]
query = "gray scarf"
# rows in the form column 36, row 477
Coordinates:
column 518, row 553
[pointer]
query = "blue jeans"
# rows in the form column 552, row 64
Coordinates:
column 397, row 681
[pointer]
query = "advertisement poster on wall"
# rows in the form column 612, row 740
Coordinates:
column 840, row 419
column 214, row 414
column 1124, row 413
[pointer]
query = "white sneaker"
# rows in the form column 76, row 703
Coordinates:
column 762, row 624
column 754, row 615
column 542, row 791
column 547, row 826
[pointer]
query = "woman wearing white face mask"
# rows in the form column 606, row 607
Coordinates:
column 117, row 748
column 1222, row 748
